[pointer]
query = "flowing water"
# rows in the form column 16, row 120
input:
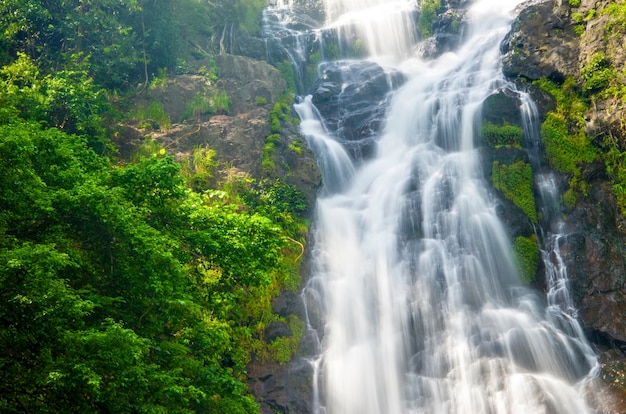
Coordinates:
column 414, row 273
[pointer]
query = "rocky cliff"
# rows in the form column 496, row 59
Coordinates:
column 581, row 48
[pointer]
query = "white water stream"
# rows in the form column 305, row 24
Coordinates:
column 423, row 309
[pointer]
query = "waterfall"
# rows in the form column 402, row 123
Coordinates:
column 423, row 311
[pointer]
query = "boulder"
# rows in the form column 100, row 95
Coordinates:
column 541, row 44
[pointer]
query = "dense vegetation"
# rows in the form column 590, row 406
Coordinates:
column 568, row 146
column 126, row 287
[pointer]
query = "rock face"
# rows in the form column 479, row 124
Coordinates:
column 543, row 43
column 352, row 98
column 237, row 134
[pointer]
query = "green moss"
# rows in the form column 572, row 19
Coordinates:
column 203, row 104
column 564, row 149
column 287, row 73
column 311, row 68
column 597, row 74
column 566, row 144
column 574, row 3
column 281, row 112
column 616, row 169
column 526, row 250
column 497, row 136
column 284, row 348
column 516, row 183
column 261, row 101
column 296, row 146
column 269, row 150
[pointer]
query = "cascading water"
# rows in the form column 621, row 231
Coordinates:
column 423, row 309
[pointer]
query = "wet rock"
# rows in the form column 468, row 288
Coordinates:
column 353, row 98
column 595, row 257
column 542, row 44
column 447, row 29
column 276, row 330
column 282, row 389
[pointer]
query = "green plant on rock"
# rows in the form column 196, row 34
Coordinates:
column 516, row 183
column 566, row 150
column 526, row 251
column 566, row 144
column 296, row 146
column 200, row 105
column 220, row 102
column 574, row 3
column 269, row 151
column 159, row 81
column 154, row 114
column 200, row 168
column 287, row 73
column 283, row 349
column 281, row 112
column 497, row 136
column 597, row 74
column 615, row 160
column 428, row 12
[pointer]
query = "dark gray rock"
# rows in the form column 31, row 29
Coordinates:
column 352, row 97
column 541, row 44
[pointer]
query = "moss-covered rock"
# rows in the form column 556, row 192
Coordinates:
column 515, row 181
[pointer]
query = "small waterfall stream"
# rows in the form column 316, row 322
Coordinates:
column 423, row 311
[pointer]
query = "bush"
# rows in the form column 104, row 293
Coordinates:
column 429, row 11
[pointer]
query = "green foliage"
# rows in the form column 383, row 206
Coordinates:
column 312, row 65
column 616, row 169
column 269, row 152
column 574, row 3
column 218, row 102
column 153, row 115
column 201, row 105
column 617, row 18
column 296, row 146
column 526, row 250
column 159, row 81
column 516, row 183
column 497, row 136
column 199, row 170
column 283, row 349
column 67, row 99
column 261, row 101
column 563, row 132
column 428, row 12
column 597, row 74
column 123, row 290
column 248, row 14
column 287, row 73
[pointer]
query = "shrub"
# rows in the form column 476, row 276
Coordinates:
column 426, row 17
